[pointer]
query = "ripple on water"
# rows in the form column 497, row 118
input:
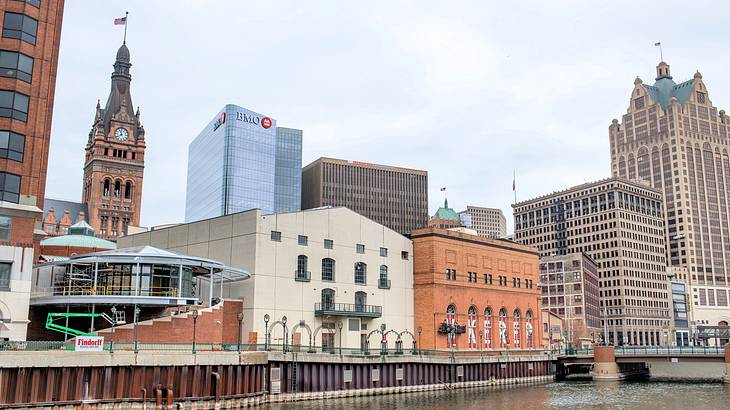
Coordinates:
column 559, row 395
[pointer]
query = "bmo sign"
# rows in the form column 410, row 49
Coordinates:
column 89, row 344
column 254, row 119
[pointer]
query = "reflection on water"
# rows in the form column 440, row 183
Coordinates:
column 559, row 395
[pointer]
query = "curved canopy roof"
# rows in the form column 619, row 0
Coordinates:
column 152, row 255
column 81, row 241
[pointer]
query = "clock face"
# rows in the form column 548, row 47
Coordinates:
column 121, row 134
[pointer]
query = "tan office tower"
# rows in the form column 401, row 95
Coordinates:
column 620, row 225
column 391, row 196
column 675, row 139
column 488, row 222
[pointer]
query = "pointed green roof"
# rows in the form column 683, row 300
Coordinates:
column 447, row 213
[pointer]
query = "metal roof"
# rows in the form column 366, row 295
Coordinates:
column 82, row 241
column 152, row 255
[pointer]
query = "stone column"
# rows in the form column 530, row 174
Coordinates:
column 726, row 379
column 605, row 367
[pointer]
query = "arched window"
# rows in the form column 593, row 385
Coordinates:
column 107, row 186
column 361, row 299
column 451, row 320
column 302, row 274
column 328, row 299
column 471, row 326
column 117, row 188
column 488, row 328
column 361, row 273
column 383, row 281
column 529, row 329
column 516, row 328
column 503, row 341
column 128, row 190
column 328, row 269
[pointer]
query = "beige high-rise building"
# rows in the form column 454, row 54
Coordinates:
column 620, row 225
column 488, row 222
column 393, row 196
column 673, row 138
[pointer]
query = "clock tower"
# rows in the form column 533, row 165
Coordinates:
column 114, row 166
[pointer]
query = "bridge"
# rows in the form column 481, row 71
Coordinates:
column 695, row 363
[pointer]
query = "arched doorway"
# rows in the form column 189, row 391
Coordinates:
column 472, row 327
column 488, row 328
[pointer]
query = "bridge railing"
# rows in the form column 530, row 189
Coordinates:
column 668, row 350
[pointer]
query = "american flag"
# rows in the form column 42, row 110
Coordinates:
column 121, row 21
column 442, row 189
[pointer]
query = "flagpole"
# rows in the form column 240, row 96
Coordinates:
column 126, row 21
column 514, row 184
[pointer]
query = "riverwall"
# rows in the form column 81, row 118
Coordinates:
column 102, row 380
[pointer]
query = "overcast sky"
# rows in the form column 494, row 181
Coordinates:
column 466, row 90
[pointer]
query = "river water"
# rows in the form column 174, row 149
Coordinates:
column 558, row 395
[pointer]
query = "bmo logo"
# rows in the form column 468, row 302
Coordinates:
column 264, row 122
column 220, row 121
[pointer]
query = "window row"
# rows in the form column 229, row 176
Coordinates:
column 118, row 188
column 9, row 187
column 303, row 240
column 20, row 26
column 303, row 274
column 16, row 65
column 503, row 280
column 504, row 339
column 12, row 145
column 14, row 105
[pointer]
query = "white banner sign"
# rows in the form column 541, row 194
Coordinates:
column 89, row 343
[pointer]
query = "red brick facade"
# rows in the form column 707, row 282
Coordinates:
column 469, row 280
column 39, row 90
column 218, row 324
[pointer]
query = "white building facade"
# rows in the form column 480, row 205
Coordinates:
column 330, row 271
column 488, row 222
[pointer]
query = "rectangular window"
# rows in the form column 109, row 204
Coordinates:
column 5, row 268
column 276, row 236
column 360, row 248
column 14, row 105
column 16, row 65
column 12, row 145
column 328, row 244
column 6, row 228
column 404, row 255
column 384, row 252
column 20, row 26
column 303, row 240
column 9, row 187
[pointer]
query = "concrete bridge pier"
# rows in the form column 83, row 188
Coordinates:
column 605, row 366
column 726, row 379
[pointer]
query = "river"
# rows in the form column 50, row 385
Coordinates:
column 558, row 395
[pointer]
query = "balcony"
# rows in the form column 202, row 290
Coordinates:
column 302, row 275
column 348, row 310
column 384, row 283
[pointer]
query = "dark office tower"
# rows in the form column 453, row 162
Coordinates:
column 392, row 196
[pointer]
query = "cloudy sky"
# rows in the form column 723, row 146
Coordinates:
column 466, row 90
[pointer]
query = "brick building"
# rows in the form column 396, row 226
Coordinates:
column 445, row 218
column 487, row 288
column 31, row 32
column 114, row 166
column 570, row 290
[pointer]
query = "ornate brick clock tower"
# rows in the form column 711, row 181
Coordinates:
column 114, row 165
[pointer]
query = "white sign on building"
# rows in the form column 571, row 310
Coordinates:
column 89, row 344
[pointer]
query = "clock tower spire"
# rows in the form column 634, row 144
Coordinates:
column 114, row 166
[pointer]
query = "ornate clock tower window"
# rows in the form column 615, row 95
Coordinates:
column 114, row 166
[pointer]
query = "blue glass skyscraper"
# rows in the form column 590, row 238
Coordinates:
column 243, row 160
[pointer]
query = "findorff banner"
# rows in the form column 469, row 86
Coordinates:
column 89, row 343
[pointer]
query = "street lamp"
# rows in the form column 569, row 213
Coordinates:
column 419, row 330
column 195, row 321
column 240, row 324
column 283, row 321
column 136, row 319
column 266, row 334
column 481, row 335
column 339, row 326
column 114, row 321
column 383, row 342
